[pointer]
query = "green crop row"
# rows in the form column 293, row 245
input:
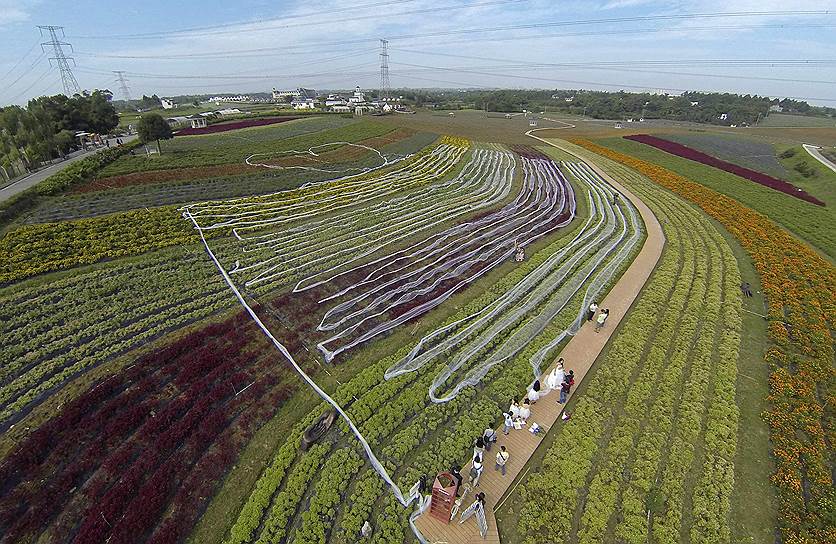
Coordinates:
column 51, row 332
column 336, row 474
column 205, row 151
column 36, row 249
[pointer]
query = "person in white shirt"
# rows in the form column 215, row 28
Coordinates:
column 590, row 312
column 502, row 457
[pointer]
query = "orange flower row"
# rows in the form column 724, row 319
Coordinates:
column 799, row 285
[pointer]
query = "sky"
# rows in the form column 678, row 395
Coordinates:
column 775, row 48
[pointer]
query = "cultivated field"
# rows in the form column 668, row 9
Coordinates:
column 175, row 326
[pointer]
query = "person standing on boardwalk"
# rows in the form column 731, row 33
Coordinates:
column 457, row 475
column 590, row 312
column 502, row 457
column 564, row 390
column 509, row 422
column 555, row 378
column 479, row 447
column 602, row 318
column 489, row 437
column 476, row 470
column 525, row 410
column 534, row 392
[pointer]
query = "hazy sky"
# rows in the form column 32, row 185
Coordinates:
column 187, row 46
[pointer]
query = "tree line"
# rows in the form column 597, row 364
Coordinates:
column 45, row 129
column 698, row 107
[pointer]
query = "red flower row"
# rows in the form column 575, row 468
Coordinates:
column 698, row 156
column 235, row 125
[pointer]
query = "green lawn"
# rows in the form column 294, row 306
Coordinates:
column 789, row 120
column 809, row 222
column 808, row 173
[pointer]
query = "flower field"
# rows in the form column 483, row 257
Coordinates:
column 296, row 497
column 140, row 403
column 799, row 287
column 134, row 456
column 694, row 155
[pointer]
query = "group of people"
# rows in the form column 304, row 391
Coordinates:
column 560, row 380
column 602, row 316
column 481, row 446
column 518, row 414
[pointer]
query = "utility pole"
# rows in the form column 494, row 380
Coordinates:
column 384, row 69
column 61, row 60
column 123, row 85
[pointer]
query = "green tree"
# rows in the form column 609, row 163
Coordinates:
column 153, row 127
column 65, row 141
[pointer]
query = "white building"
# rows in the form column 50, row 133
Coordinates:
column 359, row 97
column 303, row 104
column 167, row 104
column 238, row 98
column 301, row 92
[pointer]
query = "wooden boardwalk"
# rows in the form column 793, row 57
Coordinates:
column 579, row 354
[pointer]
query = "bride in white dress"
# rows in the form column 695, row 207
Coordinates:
column 555, row 378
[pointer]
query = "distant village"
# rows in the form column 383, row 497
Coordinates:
column 298, row 99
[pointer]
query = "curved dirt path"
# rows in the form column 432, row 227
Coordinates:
column 579, row 354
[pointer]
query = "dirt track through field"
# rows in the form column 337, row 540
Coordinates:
column 579, row 354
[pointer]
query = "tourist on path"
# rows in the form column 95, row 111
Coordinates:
column 509, row 422
column 456, row 473
column 489, row 437
column 476, row 470
column 479, row 448
column 525, row 411
column 534, row 392
column 564, row 391
column 602, row 318
column 502, row 457
column 590, row 312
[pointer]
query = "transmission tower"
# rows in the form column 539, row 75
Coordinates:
column 123, row 85
column 384, row 69
column 61, row 60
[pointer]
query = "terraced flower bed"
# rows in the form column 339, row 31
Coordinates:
column 516, row 318
column 694, row 155
column 53, row 332
column 136, row 456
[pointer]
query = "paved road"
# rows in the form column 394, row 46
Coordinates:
column 814, row 151
column 35, row 178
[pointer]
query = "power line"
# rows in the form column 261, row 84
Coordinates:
column 468, row 32
column 28, row 70
column 27, row 89
column 612, row 66
column 61, row 60
column 20, row 61
column 322, row 21
column 163, row 33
